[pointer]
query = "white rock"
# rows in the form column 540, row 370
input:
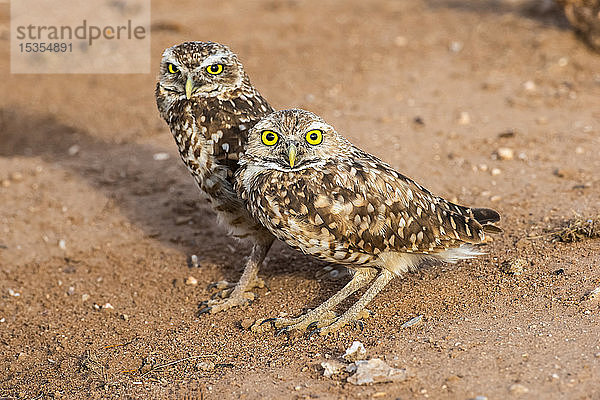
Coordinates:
column 464, row 118
column 191, row 281
column 517, row 388
column 505, row 153
column 62, row 244
column 355, row 352
column 376, row 371
column 412, row 321
column 160, row 156
column 331, row 367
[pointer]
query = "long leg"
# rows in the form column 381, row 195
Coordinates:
column 361, row 277
column 353, row 312
column 241, row 294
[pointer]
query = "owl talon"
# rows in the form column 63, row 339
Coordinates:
column 312, row 325
column 271, row 320
column 314, row 332
column 205, row 310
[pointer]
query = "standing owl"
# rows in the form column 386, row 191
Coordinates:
column 320, row 194
column 208, row 102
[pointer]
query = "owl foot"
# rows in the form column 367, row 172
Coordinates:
column 289, row 325
column 348, row 318
column 230, row 295
column 225, row 288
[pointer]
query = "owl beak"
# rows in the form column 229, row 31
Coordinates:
column 189, row 87
column 292, row 155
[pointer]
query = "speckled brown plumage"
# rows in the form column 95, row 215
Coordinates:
column 342, row 205
column 209, row 115
column 584, row 15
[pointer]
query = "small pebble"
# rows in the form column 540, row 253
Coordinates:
column 455, row 46
column 194, row 261
column 566, row 173
column 529, row 86
column 331, row 367
column 85, row 297
column 515, row 266
column 73, row 150
column 412, row 322
column 70, row 290
column 496, row 171
column 355, row 352
column 183, row 219
column 480, row 398
column 376, row 371
column 13, row 293
column 62, row 244
column 191, row 281
column 160, row 156
column 464, row 118
column 205, row 366
column 5, row 183
column 505, row 153
column 593, row 294
column 125, row 317
column 16, row 177
column 495, row 198
column 247, row 323
column 107, row 306
column 517, row 388
column 400, row 41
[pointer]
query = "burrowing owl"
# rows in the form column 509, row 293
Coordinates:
column 320, row 194
column 584, row 15
column 208, row 102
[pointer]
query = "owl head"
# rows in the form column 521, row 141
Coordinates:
column 202, row 69
column 291, row 140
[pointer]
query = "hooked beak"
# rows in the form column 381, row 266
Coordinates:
column 292, row 155
column 189, row 87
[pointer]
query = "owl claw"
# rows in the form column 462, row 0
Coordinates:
column 282, row 331
column 312, row 325
column 316, row 331
column 271, row 320
column 205, row 310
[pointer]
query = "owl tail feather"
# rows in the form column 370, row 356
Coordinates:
column 486, row 217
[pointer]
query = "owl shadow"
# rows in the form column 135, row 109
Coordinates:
column 157, row 196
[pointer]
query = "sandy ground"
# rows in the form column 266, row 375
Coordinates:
column 433, row 87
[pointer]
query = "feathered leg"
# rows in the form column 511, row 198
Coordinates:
column 354, row 312
column 241, row 294
column 323, row 313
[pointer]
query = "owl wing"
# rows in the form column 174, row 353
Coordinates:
column 226, row 123
column 360, row 205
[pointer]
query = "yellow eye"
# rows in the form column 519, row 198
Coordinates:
column 314, row 137
column 269, row 138
column 172, row 68
column 214, row 69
